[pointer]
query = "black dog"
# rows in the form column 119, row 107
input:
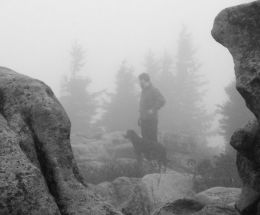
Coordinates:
column 149, row 150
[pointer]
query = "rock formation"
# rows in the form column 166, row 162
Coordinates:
column 180, row 206
column 23, row 188
column 141, row 196
column 192, row 207
column 218, row 195
column 38, row 173
column 238, row 29
column 214, row 201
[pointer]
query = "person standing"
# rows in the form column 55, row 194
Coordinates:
column 150, row 102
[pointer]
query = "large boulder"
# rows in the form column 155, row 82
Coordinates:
column 191, row 207
column 180, row 207
column 217, row 209
column 168, row 187
column 118, row 191
column 126, row 194
column 238, row 29
column 139, row 202
column 218, row 195
column 216, row 200
column 141, row 196
column 22, row 185
column 38, row 170
column 247, row 142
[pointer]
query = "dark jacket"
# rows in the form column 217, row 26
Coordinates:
column 151, row 99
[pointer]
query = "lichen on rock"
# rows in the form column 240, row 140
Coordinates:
column 37, row 166
column 238, row 29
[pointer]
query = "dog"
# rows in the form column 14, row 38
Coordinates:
column 145, row 148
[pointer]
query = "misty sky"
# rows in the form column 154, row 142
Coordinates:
column 37, row 35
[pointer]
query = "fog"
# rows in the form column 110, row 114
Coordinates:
column 37, row 36
column 155, row 145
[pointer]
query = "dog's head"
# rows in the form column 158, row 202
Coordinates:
column 130, row 134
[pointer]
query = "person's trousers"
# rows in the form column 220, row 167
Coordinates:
column 149, row 129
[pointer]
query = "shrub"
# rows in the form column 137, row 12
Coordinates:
column 221, row 172
column 108, row 170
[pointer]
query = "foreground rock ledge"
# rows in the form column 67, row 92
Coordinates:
column 238, row 29
column 38, row 173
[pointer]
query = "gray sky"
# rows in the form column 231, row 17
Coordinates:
column 37, row 35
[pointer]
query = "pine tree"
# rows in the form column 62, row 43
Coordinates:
column 121, row 112
column 79, row 103
column 152, row 66
column 165, row 84
column 189, row 113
